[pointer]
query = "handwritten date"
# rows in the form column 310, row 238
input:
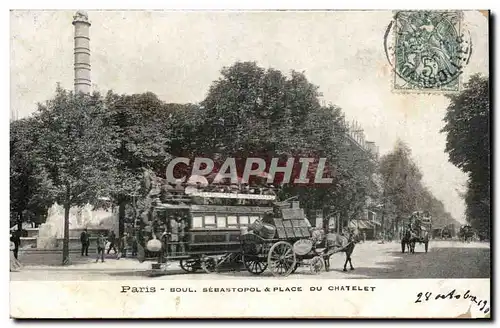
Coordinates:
column 454, row 295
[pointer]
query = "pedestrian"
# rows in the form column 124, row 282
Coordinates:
column 163, row 252
column 85, row 240
column 15, row 265
column 174, row 236
column 134, row 245
column 112, row 242
column 182, row 234
column 123, row 245
column 101, row 245
column 364, row 237
column 16, row 239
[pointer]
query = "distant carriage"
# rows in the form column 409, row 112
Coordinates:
column 466, row 233
column 416, row 229
column 446, row 233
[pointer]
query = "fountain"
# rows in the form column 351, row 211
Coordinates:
column 95, row 220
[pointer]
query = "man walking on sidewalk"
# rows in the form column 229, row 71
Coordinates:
column 112, row 242
column 101, row 244
column 85, row 240
column 122, row 246
column 16, row 239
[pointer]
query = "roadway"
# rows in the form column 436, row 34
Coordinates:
column 445, row 259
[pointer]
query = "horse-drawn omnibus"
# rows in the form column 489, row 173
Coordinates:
column 214, row 228
column 201, row 227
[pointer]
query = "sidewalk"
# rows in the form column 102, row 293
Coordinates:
column 52, row 262
column 108, row 265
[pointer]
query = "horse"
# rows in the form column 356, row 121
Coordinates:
column 409, row 238
column 340, row 243
column 466, row 234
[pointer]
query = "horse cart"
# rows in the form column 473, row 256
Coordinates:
column 416, row 230
column 281, row 244
column 466, row 233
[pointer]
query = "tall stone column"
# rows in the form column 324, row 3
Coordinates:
column 82, row 52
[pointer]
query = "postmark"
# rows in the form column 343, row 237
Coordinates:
column 429, row 50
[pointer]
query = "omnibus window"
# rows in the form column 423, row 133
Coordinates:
column 243, row 220
column 253, row 219
column 232, row 221
column 221, row 221
column 209, row 220
column 197, row 222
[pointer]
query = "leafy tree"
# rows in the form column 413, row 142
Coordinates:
column 74, row 146
column 149, row 132
column 468, row 146
column 401, row 179
column 30, row 190
column 404, row 192
column 440, row 217
column 138, row 122
column 251, row 111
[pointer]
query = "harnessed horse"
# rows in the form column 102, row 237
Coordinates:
column 410, row 239
column 466, row 234
column 345, row 243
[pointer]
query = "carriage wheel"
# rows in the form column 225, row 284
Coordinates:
column 228, row 260
column 281, row 259
column 254, row 265
column 209, row 264
column 190, row 265
column 317, row 264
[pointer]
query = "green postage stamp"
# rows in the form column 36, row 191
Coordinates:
column 430, row 50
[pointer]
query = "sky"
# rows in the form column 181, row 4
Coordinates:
column 177, row 55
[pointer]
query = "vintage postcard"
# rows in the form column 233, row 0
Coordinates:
column 250, row 164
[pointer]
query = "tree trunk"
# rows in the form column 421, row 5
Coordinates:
column 383, row 225
column 326, row 220
column 20, row 222
column 121, row 218
column 67, row 206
